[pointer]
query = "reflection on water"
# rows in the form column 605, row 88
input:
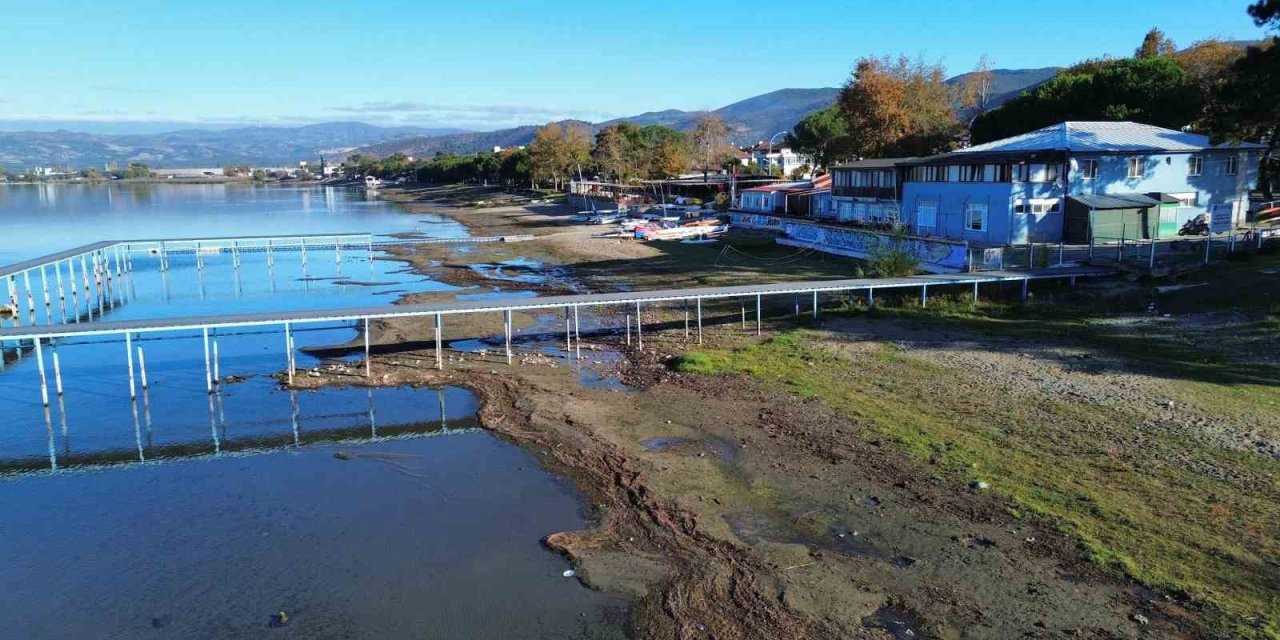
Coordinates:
column 250, row 512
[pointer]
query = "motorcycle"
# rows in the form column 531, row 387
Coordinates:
column 1197, row 226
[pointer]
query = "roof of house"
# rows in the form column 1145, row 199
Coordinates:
column 1084, row 137
column 777, row 186
column 1116, row 201
column 872, row 163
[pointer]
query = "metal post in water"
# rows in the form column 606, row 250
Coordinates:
column 871, row 297
column 271, row 259
column 439, row 344
column 57, row 369
column 639, row 329
column 699, row 320
column 815, row 304
column 208, row 368
column 368, row 363
column 217, row 372
column 577, row 335
column 71, row 282
column 568, row 335
column 628, row 318
column 44, row 383
column 924, row 296
column 128, row 352
column 288, row 351
column 304, row 257
column 142, row 369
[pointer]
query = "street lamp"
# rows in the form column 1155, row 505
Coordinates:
column 768, row 156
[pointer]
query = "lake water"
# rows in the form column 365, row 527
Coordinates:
column 186, row 514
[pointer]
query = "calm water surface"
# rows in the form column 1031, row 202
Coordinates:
column 190, row 515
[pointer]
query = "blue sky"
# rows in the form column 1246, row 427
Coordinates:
column 486, row 65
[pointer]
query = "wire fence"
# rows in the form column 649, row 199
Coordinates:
column 1168, row 253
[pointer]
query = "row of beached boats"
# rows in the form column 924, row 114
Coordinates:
column 657, row 222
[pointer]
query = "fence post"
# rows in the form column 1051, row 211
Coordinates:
column 1151, row 260
column 1208, row 240
column 1061, row 249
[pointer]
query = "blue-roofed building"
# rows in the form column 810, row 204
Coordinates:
column 1021, row 189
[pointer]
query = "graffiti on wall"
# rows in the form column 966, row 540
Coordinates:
column 856, row 242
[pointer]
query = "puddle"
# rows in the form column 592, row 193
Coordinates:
column 521, row 270
column 899, row 621
column 718, row 447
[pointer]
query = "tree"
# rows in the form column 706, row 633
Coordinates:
column 800, row 172
column 975, row 90
column 611, row 154
column 1155, row 45
column 669, row 159
column 1265, row 13
column 897, row 107
column 822, row 135
column 1208, row 62
column 711, row 140
column 556, row 150
column 137, row 170
column 1244, row 106
column 1151, row 90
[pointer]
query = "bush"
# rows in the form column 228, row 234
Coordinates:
column 722, row 202
column 894, row 257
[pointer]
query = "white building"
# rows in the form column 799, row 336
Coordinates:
column 767, row 157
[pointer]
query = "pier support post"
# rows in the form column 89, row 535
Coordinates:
column 1025, row 282
column 577, row 335
column 208, row 369
column 44, row 382
column 128, row 353
column 439, row 344
column 288, row 351
column 759, row 319
column 217, row 371
column 142, row 370
column 815, row 304
column 639, row 329
column 506, row 327
column 568, row 335
column 744, row 315
column 871, row 297
column 924, row 296
column 686, row 319
column 368, row 364
column 628, row 319
column 271, row 258
column 975, row 291
column 699, row 320
column 57, row 369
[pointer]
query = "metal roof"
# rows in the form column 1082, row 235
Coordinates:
column 1085, row 137
column 872, row 163
column 1116, row 201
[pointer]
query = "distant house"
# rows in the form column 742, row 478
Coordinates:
column 768, row 157
column 807, row 198
column 866, row 191
column 1055, row 184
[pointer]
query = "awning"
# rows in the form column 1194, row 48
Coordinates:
column 1116, row 201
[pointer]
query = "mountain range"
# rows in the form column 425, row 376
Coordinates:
column 750, row 121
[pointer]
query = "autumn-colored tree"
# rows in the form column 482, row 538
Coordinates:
column 1208, row 62
column 669, row 159
column 611, row 154
column 900, row 107
column 556, row 150
column 1155, row 45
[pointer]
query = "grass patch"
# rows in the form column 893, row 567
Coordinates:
column 1175, row 514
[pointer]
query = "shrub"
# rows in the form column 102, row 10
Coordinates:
column 894, row 257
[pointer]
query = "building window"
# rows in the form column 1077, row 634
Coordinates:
column 1188, row 199
column 926, row 218
column 1232, row 165
column 1137, row 168
column 976, row 217
column 1039, row 206
column 1195, row 166
column 1089, row 169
